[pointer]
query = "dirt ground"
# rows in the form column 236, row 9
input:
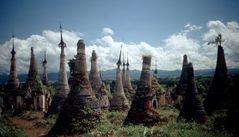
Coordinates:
column 32, row 123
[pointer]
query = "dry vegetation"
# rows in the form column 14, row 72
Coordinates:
column 34, row 124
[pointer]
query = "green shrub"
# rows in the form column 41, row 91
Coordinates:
column 7, row 131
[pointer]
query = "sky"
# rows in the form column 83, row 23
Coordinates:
column 165, row 29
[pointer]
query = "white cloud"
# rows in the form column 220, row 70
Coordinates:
column 188, row 28
column 47, row 41
column 230, row 36
column 107, row 31
column 169, row 55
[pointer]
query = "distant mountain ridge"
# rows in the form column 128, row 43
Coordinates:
column 134, row 74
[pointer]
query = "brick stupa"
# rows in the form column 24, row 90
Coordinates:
column 119, row 101
column 81, row 109
column 13, row 82
column 44, row 73
column 141, row 111
column 217, row 96
column 127, row 84
column 94, row 75
column 192, row 109
column 62, row 87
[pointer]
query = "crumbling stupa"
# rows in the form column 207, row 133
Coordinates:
column 44, row 73
column 182, row 84
column 62, row 88
column 192, row 109
column 141, row 111
column 13, row 82
column 35, row 96
column 217, row 95
column 81, row 109
column 32, row 80
column 119, row 100
column 103, row 97
column 94, row 73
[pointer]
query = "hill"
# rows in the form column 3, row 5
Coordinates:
column 135, row 74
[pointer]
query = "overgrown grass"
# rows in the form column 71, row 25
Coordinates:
column 111, row 125
column 9, row 131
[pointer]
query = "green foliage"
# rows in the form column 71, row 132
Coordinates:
column 203, row 84
column 156, row 87
column 170, row 128
column 8, row 131
column 51, row 120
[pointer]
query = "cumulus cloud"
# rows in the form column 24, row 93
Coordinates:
column 230, row 35
column 107, row 31
column 48, row 42
column 169, row 55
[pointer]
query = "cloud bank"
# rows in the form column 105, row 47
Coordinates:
column 168, row 56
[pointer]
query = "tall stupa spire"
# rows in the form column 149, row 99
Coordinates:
column 81, row 109
column 128, row 85
column 155, row 69
column 32, row 78
column 62, row 42
column 62, row 88
column 44, row 73
column 94, row 76
column 13, row 82
column 182, row 84
column 124, row 73
column 218, row 92
column 119, row 100
column 119, row 61
column 13, row 46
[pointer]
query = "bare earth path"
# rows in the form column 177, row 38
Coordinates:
column 32, row 124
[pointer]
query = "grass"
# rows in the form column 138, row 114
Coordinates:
column 9, row 131
column 111, row 125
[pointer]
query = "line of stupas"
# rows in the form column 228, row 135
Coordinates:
column 79, row 100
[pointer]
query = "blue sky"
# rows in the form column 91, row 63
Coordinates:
column 131, row 20
column 165, row 29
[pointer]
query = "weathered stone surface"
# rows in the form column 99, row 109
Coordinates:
column 103, row 97
column 119, row 100
column 192, row 109
column 32, row 80
column 71, row 65
column 62, row 88
column 124, row 73
column 81, row 109
column 33, row 85
column 141, row 111
column 217, row 95
column 44, row 73
column 13, row 82
column 182, row 84
column 127, row 86
column 94, row 73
